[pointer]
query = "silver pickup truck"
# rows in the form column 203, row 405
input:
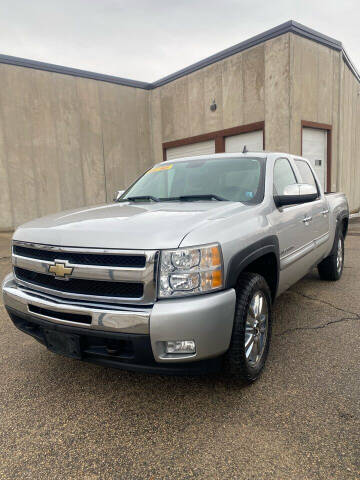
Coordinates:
column 180, row 273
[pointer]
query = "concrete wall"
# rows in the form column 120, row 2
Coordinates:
column 314, row 92
column 248, row 87
column 66, row 141
column 324, row 90
column 349, row 137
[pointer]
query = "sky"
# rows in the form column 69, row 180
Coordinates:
column 149, row 39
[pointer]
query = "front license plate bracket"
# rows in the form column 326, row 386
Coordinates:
column 63, row 343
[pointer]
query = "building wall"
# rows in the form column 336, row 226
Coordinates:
column 314, row 92
column 248, row 87
column 324, row 90
column 349, row 139
column 66, row 141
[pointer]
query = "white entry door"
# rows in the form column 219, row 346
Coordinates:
column 194, row 149
column 314, row 148
column 254, row 142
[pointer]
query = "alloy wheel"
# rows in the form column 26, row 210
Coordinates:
column 256, row 328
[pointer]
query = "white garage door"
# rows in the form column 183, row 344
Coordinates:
column 254, row 142
column 314, row 148
column 200, row 148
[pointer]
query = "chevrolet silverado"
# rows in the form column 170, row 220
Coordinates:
column 180, row 273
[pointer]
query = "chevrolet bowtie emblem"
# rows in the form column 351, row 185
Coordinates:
column 60, row 269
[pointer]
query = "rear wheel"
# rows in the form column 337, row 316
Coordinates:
column 331, row 267
column 250, row 339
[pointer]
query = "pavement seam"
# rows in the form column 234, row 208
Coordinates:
column 325, row 303
column 317, row 327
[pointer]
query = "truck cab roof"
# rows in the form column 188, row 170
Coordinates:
column 249, row 154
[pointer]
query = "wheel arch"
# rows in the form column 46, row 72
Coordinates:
column 342, row 223
column 261, row 257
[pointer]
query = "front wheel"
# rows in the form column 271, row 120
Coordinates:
column 251, row 334
column 331, row 267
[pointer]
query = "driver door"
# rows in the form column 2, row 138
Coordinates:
column 293, row 228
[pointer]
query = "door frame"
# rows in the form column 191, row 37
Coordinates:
column 219, row 137
column 328, row 128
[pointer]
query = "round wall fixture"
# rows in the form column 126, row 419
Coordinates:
column 213, row 106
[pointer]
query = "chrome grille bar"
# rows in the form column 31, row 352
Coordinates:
column 145, row 276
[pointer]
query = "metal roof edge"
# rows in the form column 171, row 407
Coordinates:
column 251, row 42
column 290, row 26
column 314, row 35
column 49, row 67
column 350, row 64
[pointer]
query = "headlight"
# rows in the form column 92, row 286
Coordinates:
column 190, row 271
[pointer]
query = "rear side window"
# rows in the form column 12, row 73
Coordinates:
column 306, row 173
column 283, row 175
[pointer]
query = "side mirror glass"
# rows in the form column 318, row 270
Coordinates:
column 296, row 193
column 118, row 195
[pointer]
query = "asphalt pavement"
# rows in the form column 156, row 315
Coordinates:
column 64, row 419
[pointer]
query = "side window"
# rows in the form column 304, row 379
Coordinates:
column 306, row 173
column 283, row 175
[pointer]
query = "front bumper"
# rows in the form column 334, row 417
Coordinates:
column 129, row 338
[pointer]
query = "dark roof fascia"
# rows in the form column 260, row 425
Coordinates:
column 318, row 37
column 228, row 52
column 287, row 27
column 350, row 64
column 49, row 67
column 290, row 26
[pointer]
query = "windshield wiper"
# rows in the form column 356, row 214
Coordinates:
column 142, row 197
column 208, row 196
column 181, row 198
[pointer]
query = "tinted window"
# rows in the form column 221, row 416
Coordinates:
column 283, row 175
column 305, row 172
column 235, row 179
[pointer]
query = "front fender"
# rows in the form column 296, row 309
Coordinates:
column 243, row 258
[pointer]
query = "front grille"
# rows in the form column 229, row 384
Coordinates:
column 80, row 286
column 106, row 260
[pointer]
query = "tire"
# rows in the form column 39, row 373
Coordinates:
column 331, row 267
column 238, row 362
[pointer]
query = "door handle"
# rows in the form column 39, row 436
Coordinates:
column 325, row 212
column 307, row 219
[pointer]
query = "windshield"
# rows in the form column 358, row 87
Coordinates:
column 234, row 179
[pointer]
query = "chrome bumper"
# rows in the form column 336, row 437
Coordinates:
column 205, row 319
column 125, row 321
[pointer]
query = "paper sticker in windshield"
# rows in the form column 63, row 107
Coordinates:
column 159, row 169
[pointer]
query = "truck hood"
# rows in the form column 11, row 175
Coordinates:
column 124, row 225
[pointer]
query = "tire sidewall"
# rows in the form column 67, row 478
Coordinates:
column 236, row 362
column 328, row 267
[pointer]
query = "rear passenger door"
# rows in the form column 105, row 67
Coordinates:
column 319, row 207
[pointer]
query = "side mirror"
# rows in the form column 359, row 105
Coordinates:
column 118, row 195
column 296, row 193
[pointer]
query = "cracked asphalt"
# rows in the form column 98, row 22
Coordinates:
column 63, row 419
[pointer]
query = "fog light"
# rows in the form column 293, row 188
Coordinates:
column 180, row 346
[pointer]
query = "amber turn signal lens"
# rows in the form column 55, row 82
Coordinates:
column 216, row 279
column 215, row 255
